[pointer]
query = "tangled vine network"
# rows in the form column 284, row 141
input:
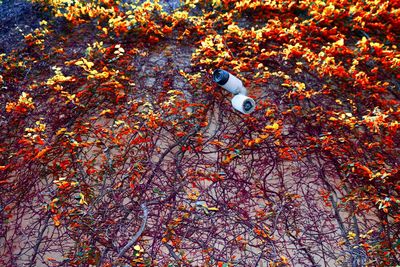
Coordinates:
column 117, row 149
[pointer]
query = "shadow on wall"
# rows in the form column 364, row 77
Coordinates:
column 17, row 17
column 20, row 17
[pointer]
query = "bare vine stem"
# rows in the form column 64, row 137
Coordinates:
column 145, row 210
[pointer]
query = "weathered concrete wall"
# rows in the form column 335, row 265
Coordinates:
column 17, row 17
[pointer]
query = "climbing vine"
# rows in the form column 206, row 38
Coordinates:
column 117, row 149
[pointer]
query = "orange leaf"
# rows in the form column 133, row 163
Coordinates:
column 56, row 220
column 216, row 143
column 167, row 30
column 42, row 152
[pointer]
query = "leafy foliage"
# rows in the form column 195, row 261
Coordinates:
column 101, row 167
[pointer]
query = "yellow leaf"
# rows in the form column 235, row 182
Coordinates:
column 60, row 131
column 106, row 111
column 340, row 42
column 138, row 248
column 88, row 63
column 274, row 127
column 213, row 209
column 119, row 122
column 82, row 200
column 216, row 2
column 351, row 235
